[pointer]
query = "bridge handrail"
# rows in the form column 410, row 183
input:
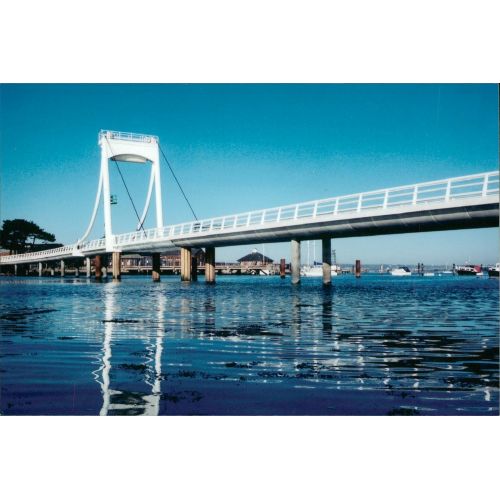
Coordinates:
column 127, row 136
column 41, row 254
column 340, row 204
column 444, row 190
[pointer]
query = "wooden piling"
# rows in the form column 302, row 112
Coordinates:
column 116, row 264
column 210, row 265
column 185, row 264
column 358, row 268
column 156, row 266
column 98, row 267
column 282, row 268
column 327, row 261
column 194, row 268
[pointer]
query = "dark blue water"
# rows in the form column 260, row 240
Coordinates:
column 379, row 345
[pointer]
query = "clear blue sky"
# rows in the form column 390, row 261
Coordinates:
column 243, row 147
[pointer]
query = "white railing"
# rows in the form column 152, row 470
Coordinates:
column 414, row 195
column 44, row 254
column 127, row 136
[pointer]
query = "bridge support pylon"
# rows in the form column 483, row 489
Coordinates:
column 40, row 269
column 117, row 265
column 185, row 264
column 62, row 268
column 156, row 266
column 87, row 267
column 210, row 265
column 295, row 262
column 326, row 245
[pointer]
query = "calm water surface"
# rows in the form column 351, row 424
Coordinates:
column 379, row 345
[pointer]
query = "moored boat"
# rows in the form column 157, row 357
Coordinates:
column 468, row 270
column 494, row 271
column 400, row 271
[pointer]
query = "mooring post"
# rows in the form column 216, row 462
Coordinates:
column 358, row 268
column 87, row 267
column 116, row 265
column 295, row 262
column 156, row 266
column 210, row 265
column 98, row 267
column 327, row 261
column 62, row 268
column 282, row 268
column 40, row 269
column 185, row 264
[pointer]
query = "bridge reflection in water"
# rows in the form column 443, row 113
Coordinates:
column 122, row 402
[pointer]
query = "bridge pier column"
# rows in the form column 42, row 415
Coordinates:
column 62, row 267
column 185, row 264
column 52, row 272
column 282, row 268
column 15, row 269
column 77, row 270
column 87, row 267
column 40, row 269
column 210, row 265
column 295, row 262
column 327, row 261
column 156, row 266
column 117, row 265
column 98, row 267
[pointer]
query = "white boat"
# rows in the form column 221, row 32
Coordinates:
column 316, row 271
column 401, row 271
column 494, row 271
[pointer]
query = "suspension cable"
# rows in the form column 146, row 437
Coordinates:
column 141, row 226
column 176, row 180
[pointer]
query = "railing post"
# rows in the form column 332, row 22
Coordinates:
column 360, row 202
column 448, row 191
column 296, row 214
column 263, row 219
column 336, row 209
column 485, row 184
column 415, row 195
column 278, row 217
column 386, row 198
column 248, row 218
column 315, row 210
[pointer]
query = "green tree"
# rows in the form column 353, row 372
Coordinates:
column 19, row 235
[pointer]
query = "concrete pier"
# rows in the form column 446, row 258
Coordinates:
column 15, row 269
column 326, row 245
column 185, row 264
column 52, row 272
column 87, row 267
column 117, row 265
column 210, row 265
column 40, row 269
column 98, row 267
column 295, row 262
column 357, row 269
column 282, row 268
column 62, row 267
column 156, row 266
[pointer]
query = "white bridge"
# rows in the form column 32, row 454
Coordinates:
column 470, row 201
